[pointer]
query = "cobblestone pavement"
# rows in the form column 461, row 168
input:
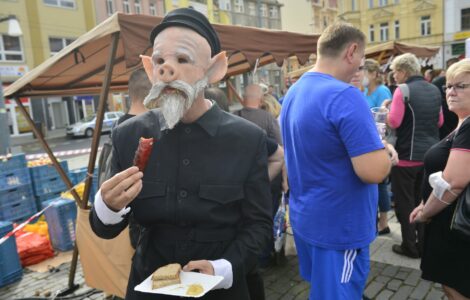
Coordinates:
column 281, row 282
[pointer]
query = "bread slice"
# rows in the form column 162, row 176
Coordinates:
column 171, row 271
column 156, row 284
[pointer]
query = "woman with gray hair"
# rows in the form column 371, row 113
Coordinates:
column 416, row 116
column 446, row 256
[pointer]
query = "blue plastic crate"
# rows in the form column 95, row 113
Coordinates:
column 40, row 200
column 77, row 175
column 20, row 192
column 61, row 218
column 18, row 210
column 13, row 178
column 17, row 161
column 48, row 185
column 47, row 171
column 10, row 266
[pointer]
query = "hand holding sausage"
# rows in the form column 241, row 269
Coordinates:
column 118, row 191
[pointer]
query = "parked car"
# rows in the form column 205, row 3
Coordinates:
column 86, row 126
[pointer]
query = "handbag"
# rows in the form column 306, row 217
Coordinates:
column 461, row 219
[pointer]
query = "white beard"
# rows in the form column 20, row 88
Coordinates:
column 174, row 105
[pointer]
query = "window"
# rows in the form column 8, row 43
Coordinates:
column 353, row 5
column 371, row 3
column 60, row 3
column 383, row 2
column 238, row 6
column 383, row 32
column 397, row 29
column 251, row 8
column 371, row 33
column 273, row 12
column 110, row 7
column 225, row 5
column 137, row 7
column 57, row 44
column 153, row 9
column 263, row 10
column 126, row 7
column 425, row 25
column 10, row 48
column 465, row 19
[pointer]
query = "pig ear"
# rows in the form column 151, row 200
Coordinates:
column 148, row 66
column 218, row 67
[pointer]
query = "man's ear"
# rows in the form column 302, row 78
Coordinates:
column 218, row 67
column 350, row 50
column 148, row 66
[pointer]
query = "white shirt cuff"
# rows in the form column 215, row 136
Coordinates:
column 223, row 267
column 106, row 215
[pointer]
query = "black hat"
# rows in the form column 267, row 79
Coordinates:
column 192, row 19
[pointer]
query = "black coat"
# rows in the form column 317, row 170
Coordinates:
column 205, row 195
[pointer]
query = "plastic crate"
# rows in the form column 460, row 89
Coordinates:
column 47, row 171
column 14, row 178
column 61, row 218
column 18, row 210
column 17, row 161
column 48, row 186
column 10, row 266
column 77, row 175
column 40, row 200
column 20, row 192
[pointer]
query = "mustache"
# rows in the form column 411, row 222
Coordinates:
column 155, row 94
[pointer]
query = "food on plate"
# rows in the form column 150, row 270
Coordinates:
column 166, row 275
column 143, row 152
column 194, row 290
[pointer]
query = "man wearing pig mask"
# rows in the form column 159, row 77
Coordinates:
column 203, row 200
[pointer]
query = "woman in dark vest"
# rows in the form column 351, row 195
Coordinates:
column 416, row 118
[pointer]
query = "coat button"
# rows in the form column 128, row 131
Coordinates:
column 183, row 194
column 187, row 130
column 186, row 162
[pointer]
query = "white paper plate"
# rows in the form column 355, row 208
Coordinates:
column 208, row 282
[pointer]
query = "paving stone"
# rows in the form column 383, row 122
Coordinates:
column 287, row 296
column 373, row 289
column 402, row 275
column 421, row 290
column 403, row 292
column 302, row 296
column 394, row 284
column 390, row 271
column 434, row 295
column 413, row 278
column 382, row 279
column 384, row 295
column 299, row 288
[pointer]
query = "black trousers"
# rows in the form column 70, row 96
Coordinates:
column 406, row 188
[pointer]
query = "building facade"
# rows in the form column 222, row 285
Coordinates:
column 456, row 27
column 418, row 22
column 47, row 26
column 106, row 8
column 308, row 17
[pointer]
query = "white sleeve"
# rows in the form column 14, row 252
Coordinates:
column 106, row 215
column 223, row 267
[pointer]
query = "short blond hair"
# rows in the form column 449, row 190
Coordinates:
column 371, row 65
column 408, row 63
column 457, row 69
column 271, row 105
column 336, row 37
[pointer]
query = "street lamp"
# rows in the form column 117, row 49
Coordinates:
column 14, row 29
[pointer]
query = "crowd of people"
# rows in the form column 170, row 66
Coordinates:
column 214, row 178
